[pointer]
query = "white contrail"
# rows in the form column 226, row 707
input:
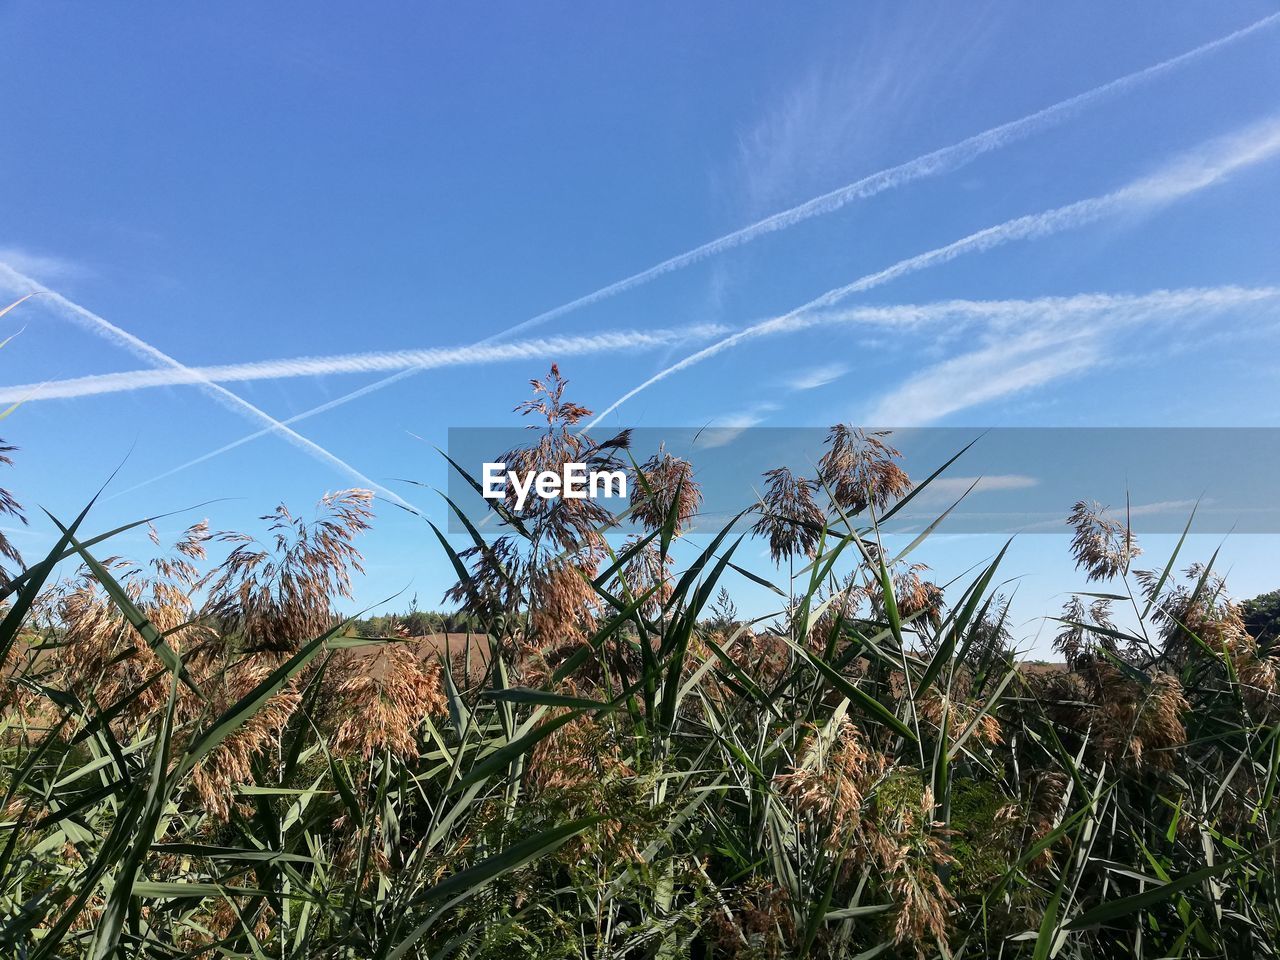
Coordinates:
column 936, row 163
column 478, row 352
column 955, row 314
column 941, row 161
column 1191, row 173
column 373, row 362
column 109, row 331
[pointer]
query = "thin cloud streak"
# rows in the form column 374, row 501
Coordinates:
column 1155, row 508
column 997, row 370
column 944, row 488
column 1025, row 352
column 1011, row 314
column 941, row 161
column 816, row 377
column 355, row 363
column 90, row 321
column 724, row 430
column 43, row 265
column 505, row 351
column 1188, row 174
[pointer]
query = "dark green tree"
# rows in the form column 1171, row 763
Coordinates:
column 1262, row 617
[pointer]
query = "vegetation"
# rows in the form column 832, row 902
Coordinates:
column 415, row 623
column 201, row 760
column 1262, row 616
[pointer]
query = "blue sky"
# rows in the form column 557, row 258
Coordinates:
column 251, row 182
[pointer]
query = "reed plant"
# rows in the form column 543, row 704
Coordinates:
column 202, row 758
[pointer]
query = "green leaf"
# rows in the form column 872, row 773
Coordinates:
column 1114, row 909
column 546, row 698
column 239, row 713
column 860, row 697
column 137, row 619
column 467, row 883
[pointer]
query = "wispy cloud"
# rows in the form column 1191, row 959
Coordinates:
column 1190, row 173
column 101, row 327
column 816, row 377
column 961, row 315
column 949, row 488
column 722, row 431
column 936, row 163
column 375, row 362
column 1120, row 512
column 47, row 267
column 1003, row 368
column 856, row 103
column 1029, row 344
column 942, row 161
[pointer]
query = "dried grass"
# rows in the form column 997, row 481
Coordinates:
column 381, row 701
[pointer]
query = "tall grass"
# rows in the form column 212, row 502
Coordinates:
column 202, row 759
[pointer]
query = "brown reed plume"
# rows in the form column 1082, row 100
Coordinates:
column 102, row 658
column 277, row 595
column 860, row 471
column 789, row 515
column 216, row 777
column 1197, row 614
column 562, row 603
column 1084, row 629
column 551, row 569
column 923, row 902
column 647, row 570
column 1102, row 546
column 664, row 483
column 566, row 524
column 578, row 758
column 960, row 713
column 495, row 584
column 1139, row 724
column 381, row 700
column 827, row 787
column 919, row 601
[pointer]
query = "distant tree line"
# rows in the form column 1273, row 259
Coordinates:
column 417, row 623
column 1261, row 617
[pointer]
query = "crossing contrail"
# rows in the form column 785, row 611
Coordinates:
column 1192, row 172
column 477, row 353
column 89, row 320
column 371, row 362
column 955, row 314
column 941, row 161
column 938, row 162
